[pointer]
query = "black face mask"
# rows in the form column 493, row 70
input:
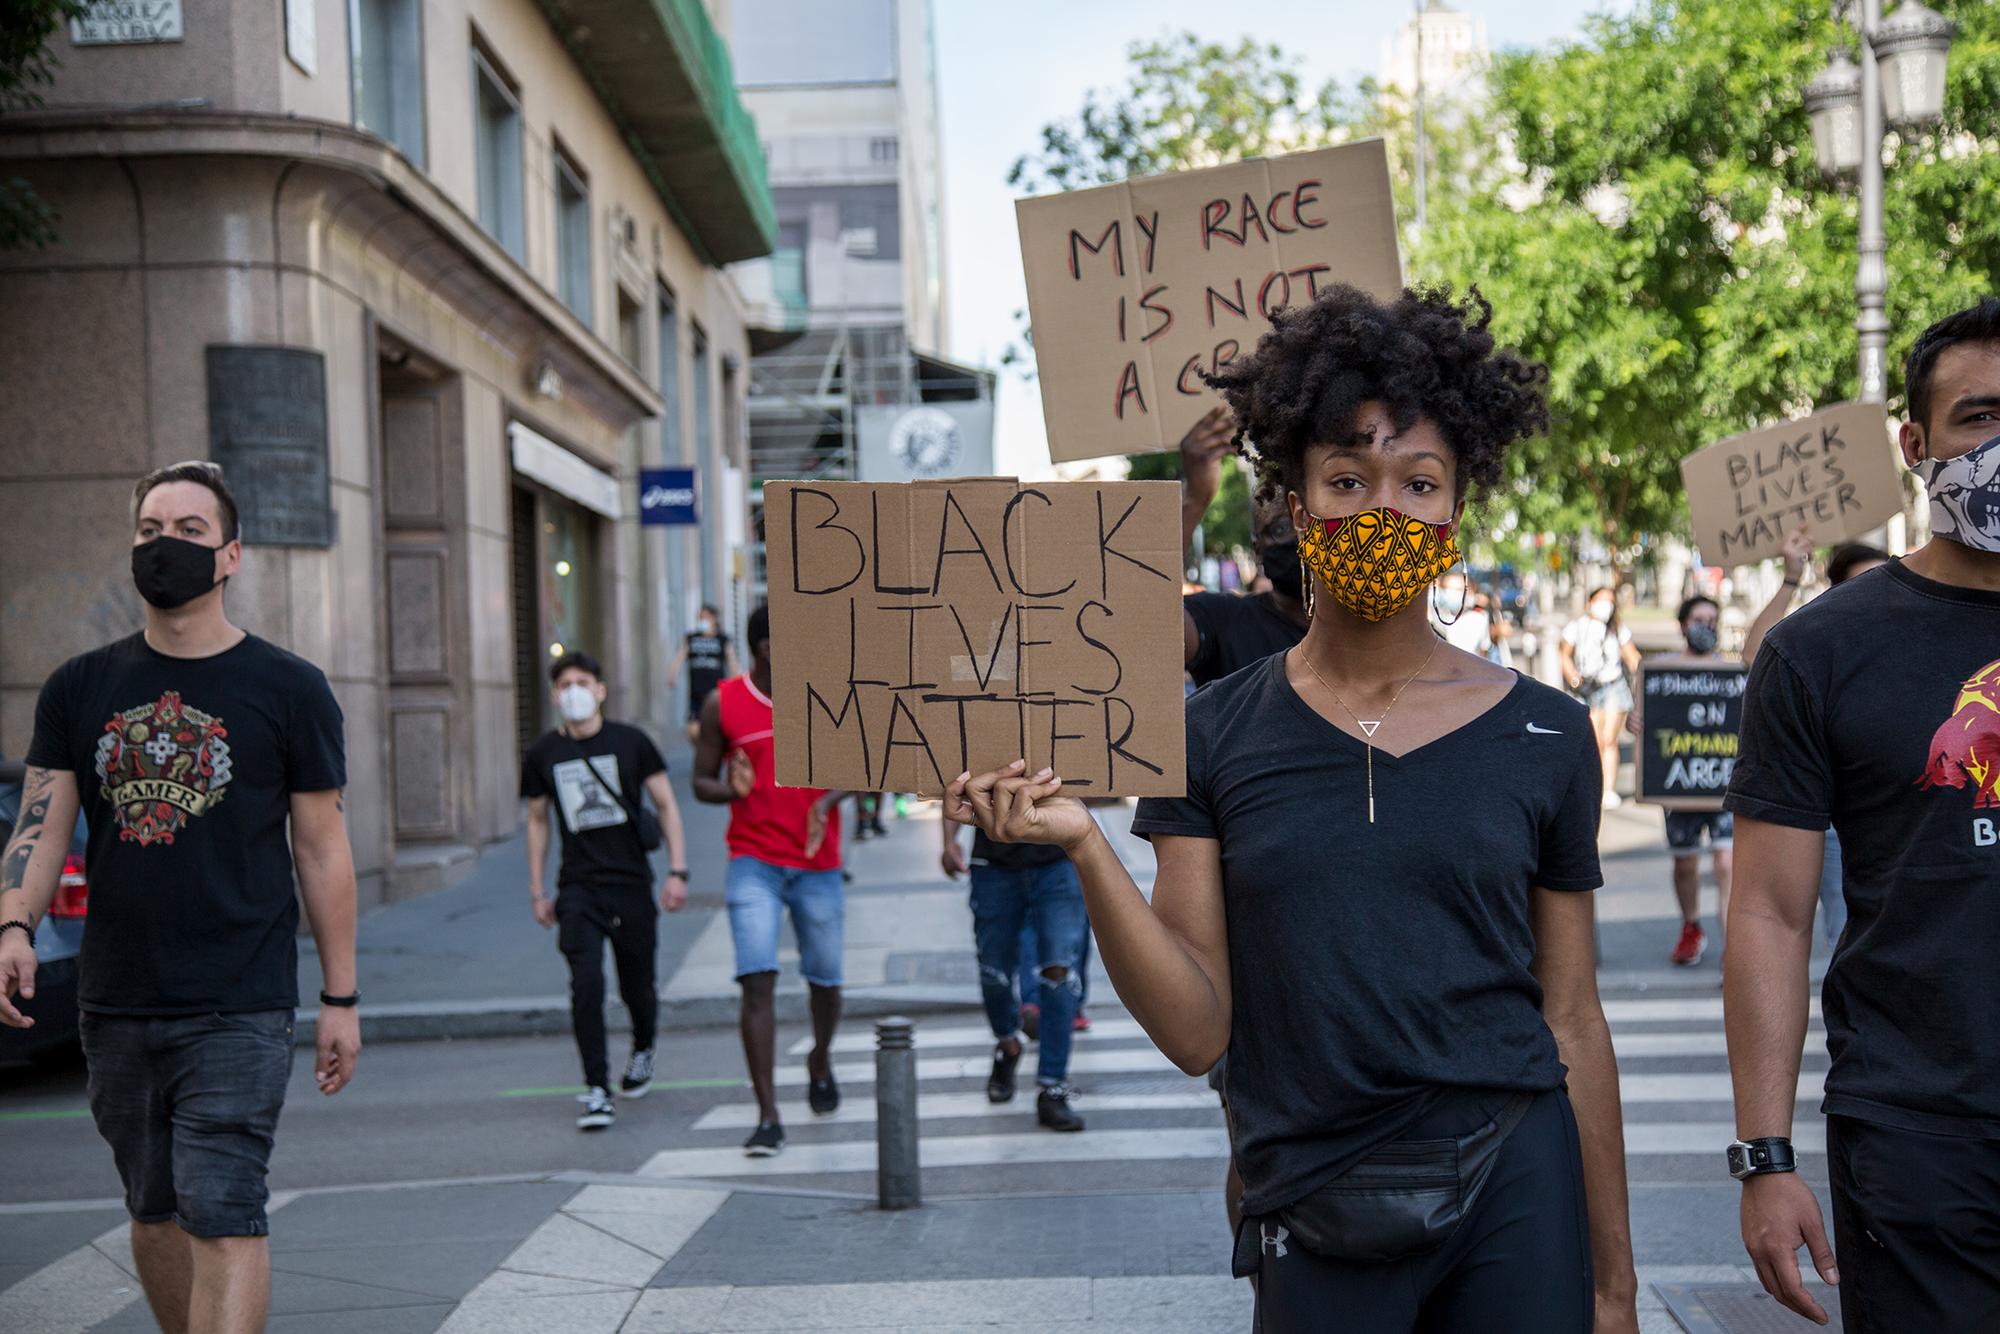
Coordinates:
column 1701, row 637
column 1281, row 567
column 172, row 572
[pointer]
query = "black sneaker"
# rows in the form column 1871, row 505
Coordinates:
column 1000, row 1084
column 638, row 1075
column 822, row 1095
column 598, row 1111
column 766, row 1141
column 1052, row 1109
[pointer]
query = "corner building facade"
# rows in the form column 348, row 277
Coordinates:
column 434, row 279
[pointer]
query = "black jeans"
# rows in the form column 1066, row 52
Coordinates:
column 1916, row 1229
column 586, row 917
column 1518, row 1264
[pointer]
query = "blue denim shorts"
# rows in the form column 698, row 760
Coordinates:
column 758, row 895
column 189, row 1105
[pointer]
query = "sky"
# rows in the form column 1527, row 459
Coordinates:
column 1004, row 70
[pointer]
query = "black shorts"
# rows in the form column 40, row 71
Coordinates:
column 1685, row 828
column 189, row 1105
column 1916, row 1229
column 1518, row 1264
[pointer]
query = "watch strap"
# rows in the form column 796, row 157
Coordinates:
column 1757, row 1157
column 346, row 1002
column 680, row 871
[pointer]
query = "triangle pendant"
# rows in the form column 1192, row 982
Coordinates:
column 1368, row 729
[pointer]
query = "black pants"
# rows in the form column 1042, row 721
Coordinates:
column 1518, row 1264
column 1916, row 1227
column 586, row 917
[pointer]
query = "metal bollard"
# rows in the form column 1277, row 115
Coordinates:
column 896, row 1173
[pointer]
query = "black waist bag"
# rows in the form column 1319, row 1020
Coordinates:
column 1405, row 1198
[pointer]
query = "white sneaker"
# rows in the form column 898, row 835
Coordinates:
column 598, row 1111
column 638, row 1075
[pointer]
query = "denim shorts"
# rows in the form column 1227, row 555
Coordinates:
column 189, row 1105
column 758, row 895
column 1685, row 828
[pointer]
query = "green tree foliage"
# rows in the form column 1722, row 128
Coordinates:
column 1653, row 225
column 25, row 68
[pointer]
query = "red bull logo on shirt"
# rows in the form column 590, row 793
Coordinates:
column 1965, row 752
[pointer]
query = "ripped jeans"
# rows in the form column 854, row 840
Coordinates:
column 1051, row 898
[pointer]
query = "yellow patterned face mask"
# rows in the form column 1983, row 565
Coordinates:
column 1376, row 562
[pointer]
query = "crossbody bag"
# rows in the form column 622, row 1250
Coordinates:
column 1406, row 1197
column 648, row 830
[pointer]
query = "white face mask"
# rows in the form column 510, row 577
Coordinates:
column 1602, row 609
column 1965, row 496
column 577, row 703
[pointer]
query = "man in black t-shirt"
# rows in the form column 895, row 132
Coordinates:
column 209, row 764
column 709, row 657
column 1877, row 708
column 1015, row 885
column 1222, row 633
column 593, row 772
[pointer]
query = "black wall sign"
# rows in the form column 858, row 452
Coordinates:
column 1689, row 714
column 267, row 428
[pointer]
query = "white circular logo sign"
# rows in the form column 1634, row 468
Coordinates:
column 927, row 442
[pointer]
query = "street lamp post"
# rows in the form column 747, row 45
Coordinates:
column 1901, row 77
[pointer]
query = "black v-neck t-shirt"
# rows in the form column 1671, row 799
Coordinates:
column 1377, row 968
column 1876, row 707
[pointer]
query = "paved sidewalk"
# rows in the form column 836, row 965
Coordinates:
column 470, row 962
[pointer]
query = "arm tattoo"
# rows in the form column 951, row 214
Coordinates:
column 35, row 785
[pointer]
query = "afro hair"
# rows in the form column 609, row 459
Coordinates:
column 1426, row 354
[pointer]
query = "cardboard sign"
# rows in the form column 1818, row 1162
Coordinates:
column 1689, row 714
column 1134, row 288
column 922, row 629
column 1834, row 471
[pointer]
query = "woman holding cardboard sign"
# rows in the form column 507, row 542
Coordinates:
column 1375, row 895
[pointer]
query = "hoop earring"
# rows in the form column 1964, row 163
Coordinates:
column 1464, row 598
column 1306, row 586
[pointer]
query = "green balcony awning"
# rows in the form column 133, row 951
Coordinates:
column 663, row 72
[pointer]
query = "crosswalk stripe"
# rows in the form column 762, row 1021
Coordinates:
column 950, row 1151
column 857, row 1041
column 958, row 1106
column 1121, row 1061
column 1712, row 1042
column 1642, row 1139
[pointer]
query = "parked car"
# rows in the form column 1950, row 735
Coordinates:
column 58, row 942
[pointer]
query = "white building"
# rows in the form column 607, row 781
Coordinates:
column 1448, row 44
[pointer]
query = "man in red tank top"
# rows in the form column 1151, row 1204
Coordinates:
column 784, row 855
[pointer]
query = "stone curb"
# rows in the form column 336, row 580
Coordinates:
column 548, row 1016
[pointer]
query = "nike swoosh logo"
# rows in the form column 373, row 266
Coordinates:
column 1543, row 731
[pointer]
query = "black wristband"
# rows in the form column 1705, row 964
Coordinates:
column 347, row 1002
column 26, row 930
column 1791, row 583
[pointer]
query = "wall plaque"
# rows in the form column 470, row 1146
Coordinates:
column 126, row 22
column 267, row 428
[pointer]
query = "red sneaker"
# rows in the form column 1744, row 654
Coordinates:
column 1082, row 1024
column 1693, row 944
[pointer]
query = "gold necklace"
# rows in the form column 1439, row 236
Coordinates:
column 1368, row 728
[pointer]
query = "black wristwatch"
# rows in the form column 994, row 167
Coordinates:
column 1754, row 1158
column 680, row 871
column 347, row 1002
